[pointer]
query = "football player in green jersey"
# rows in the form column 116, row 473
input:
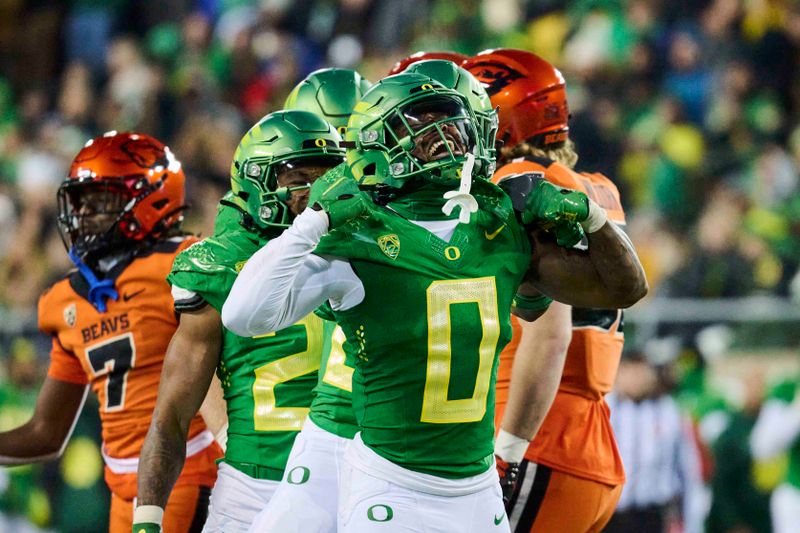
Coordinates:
column 267, row 380
column 307, row 497
column 777, row 433
column 421, row 279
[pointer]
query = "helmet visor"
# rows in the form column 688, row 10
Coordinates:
column 303, row 171
column 288, row 184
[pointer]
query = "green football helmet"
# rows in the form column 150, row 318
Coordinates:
column 454, row 77
column 330, row 93
column 410, row 126
column 279, row 141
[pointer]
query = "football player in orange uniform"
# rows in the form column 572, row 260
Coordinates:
column 111, row 319
column 571, row 476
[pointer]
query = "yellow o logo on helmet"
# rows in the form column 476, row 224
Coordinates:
column 426, row 87
column 342, row 130
column 321, row 143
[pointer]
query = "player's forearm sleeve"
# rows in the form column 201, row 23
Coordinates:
column 281, row 283
column 777, row 428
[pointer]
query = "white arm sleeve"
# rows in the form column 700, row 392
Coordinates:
column 777, row 427
column 284, row 281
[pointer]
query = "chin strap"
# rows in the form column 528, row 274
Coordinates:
column 99, row 290
column 461, row 197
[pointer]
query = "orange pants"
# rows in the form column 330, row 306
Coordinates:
column 186, row 511
column 550, row 501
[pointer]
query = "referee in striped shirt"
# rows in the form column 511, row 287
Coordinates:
column 657, row 446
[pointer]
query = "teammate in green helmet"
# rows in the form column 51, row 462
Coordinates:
column 266, row 380
column 329, row 93
column 283, row 143
column 311, row 483
column 422, row 283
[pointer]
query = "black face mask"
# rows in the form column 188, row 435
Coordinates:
column 89, row 216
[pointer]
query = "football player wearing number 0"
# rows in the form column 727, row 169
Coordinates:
column 120, row 210
column 420, row 269
column 266, row 380
column 307, row 497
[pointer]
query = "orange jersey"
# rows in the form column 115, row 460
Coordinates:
column 120, row 354
column 576, row 435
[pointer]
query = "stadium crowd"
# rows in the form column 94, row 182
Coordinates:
column 692, row 107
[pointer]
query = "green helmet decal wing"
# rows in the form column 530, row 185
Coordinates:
column 278, row 138
column 329, row 93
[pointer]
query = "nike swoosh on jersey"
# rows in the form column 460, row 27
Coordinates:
column 495, row 233
column 497, row 521
column 126, row 297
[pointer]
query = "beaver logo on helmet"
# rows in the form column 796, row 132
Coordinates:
column 495, row 76
column 144, row 153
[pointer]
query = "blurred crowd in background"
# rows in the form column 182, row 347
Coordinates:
column 690, row 106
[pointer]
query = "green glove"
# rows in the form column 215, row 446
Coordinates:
column 337, row 193
column 146, row 527
column 557, row 210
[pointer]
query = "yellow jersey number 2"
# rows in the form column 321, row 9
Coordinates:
column 267, row 415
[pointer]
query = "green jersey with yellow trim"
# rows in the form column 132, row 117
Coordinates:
column 332, row 407
column 427, row 335
column 786, row 392
column 267, row 380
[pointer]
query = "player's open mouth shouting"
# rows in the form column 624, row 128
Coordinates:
column 437, row 133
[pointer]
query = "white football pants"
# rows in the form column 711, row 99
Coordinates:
column 307, row 499
column 236, row 499
column 785, row 507
column 373, row 504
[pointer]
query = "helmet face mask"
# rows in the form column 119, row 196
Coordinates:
column 410, row 126
column 288, row 182
column 449, row 74
column 122, row 189
column 89, row 215
column 438, row 128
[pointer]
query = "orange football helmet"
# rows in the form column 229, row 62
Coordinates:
column 530, row 92
column 121, row 187
column 403, row 64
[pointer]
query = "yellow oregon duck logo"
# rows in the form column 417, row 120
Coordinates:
column 390, row 245
column 452, row 253
column 321, row 143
